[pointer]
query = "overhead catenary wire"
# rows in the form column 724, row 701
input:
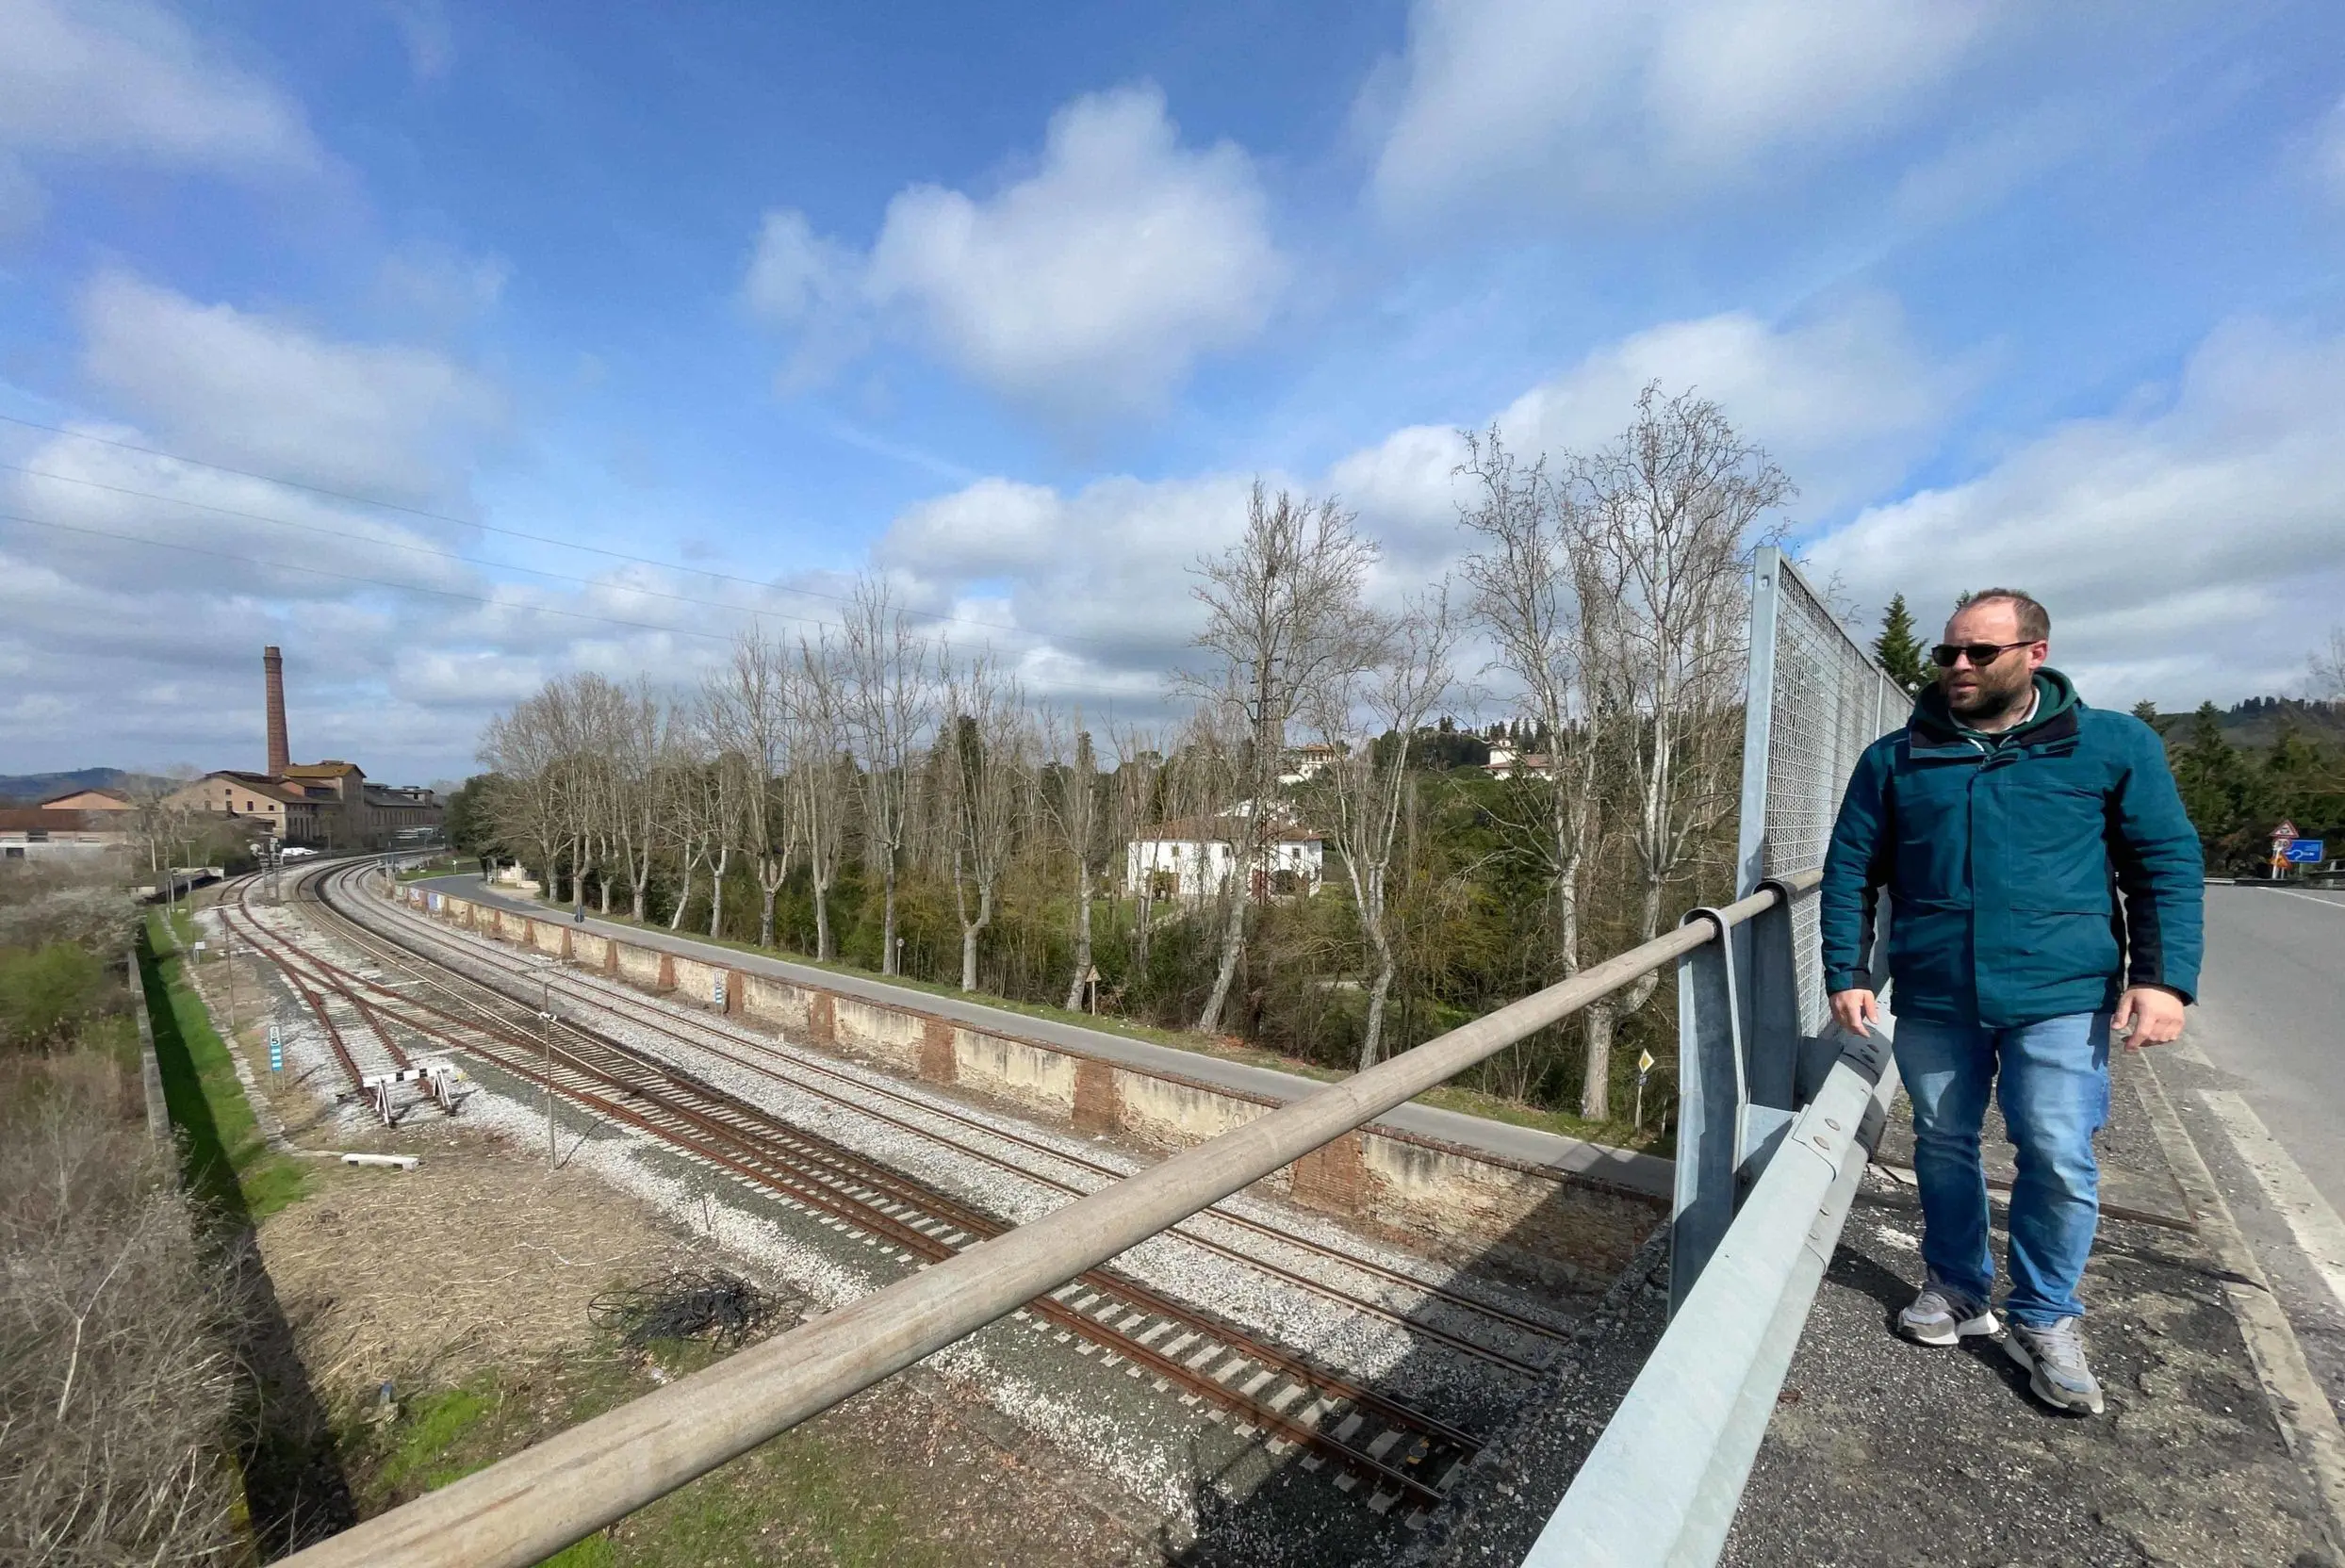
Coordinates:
column 461, row 522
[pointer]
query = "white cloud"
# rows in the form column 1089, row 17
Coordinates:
column 1097, row 580
column 134, row 563
column 128, row 81
column 1089, row 287
column 1843, row 401
column 389, row 421
column 2204, row 524
column 1594, row 102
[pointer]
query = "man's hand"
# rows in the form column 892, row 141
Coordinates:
column 1854, row 1009
column 2152, row 1013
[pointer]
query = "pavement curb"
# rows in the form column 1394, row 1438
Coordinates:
column 2307, row 1423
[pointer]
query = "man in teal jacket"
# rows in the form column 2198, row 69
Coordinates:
column 2045, row 886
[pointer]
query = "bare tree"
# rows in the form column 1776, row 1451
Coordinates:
column 749, row 712
column 531, row 748
column 1671, row 504
column 1280, row 608
column 890, row 701
column 1529, row 576
column 687, row 814
column 1134, row 804
column 159, row 820
column 1075, row 809
column 2328, row 668
column 984, row 743
column 819, row 722
column 729, row 789
column 1368, row 713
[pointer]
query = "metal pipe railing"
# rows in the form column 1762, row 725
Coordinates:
column 536, row 1502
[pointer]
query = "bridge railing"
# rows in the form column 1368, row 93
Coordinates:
column 540, row 1500
column 1778, row 1112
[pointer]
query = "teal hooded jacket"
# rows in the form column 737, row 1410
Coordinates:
column 2030, row 873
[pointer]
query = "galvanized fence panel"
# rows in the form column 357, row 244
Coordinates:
column 1817, row 698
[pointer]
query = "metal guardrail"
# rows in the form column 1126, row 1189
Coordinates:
column 1778, row 1115
column 1662, row 1486
column 538, row 1501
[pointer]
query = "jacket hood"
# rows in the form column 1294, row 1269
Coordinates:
column 2056, row 696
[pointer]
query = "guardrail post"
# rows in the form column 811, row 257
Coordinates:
column 1773, row 1046
column 1711, row 1096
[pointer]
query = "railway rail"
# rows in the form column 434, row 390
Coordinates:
column 1401, row 1453
column 239, row 920
column 854, row 1093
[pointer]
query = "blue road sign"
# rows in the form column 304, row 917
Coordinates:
column 276, row 1050
column 2304, row 852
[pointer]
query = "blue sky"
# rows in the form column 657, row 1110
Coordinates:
column 1011, row 303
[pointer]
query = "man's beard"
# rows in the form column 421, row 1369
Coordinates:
column 1993, row 698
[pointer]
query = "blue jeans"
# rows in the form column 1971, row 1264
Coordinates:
column 2052, row 1080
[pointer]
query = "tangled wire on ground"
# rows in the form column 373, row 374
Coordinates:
column 686, row 1304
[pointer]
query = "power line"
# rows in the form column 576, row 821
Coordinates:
column 382, row 582
column 466, row 522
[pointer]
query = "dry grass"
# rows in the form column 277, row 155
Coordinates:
column 117, row 1388
column 479, row 1257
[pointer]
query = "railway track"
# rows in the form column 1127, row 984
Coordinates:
column 239, row 920
column 739, row 1047
column 1398, row 1453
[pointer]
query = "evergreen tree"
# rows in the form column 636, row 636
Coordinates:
column 2218, row 789
column 1898, row 649
column 2146, row 711
column 2302, row 782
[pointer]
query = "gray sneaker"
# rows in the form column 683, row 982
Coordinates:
column 1943, row 1317
column 2055, row 1357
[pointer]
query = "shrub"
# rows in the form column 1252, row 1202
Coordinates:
column 117, row 1387
column 47, row 993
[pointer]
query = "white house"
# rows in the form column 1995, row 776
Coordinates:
column 1308, row 762
column 1505, row 762
column 1189, row 859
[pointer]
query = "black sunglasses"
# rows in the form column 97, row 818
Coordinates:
column 1980, row 654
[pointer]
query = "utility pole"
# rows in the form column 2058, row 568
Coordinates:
column 544, row 1034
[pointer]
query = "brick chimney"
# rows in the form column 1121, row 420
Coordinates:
column 280, row 754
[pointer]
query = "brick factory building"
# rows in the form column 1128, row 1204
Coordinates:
column 326, row 804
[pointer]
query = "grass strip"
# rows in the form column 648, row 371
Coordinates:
column 227, row 1160
column 815, row 1492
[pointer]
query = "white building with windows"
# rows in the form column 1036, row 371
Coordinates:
column 1187, row 861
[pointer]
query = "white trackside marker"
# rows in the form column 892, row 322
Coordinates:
column 2311, row 1220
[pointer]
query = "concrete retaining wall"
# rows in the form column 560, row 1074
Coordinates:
column 1462, row 1204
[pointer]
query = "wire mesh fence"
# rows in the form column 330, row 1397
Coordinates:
column 1817, row 698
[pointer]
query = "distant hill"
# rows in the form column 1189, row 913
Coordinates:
column 2252, row 724
column 30, row 788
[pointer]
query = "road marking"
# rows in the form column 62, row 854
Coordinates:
column 2186, row 1050
column 2316, row 1226
column 2307, row 1422
column 2310, row 898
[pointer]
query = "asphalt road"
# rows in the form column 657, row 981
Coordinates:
column 2271, row 1016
